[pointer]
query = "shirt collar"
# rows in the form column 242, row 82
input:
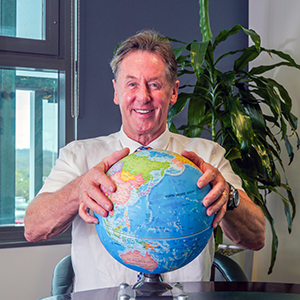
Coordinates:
column 160, row 143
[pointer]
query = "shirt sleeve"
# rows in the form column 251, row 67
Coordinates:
column 64, row 171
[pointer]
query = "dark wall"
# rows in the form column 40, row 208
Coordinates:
column 104, row 24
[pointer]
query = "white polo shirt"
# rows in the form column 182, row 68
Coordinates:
column 93, row 265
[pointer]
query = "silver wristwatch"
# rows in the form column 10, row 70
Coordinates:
column 234, row 198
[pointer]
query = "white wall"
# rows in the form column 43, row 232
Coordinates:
column 278, row 23
column 26, row 273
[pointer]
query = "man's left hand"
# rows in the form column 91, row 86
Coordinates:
column 216, row 199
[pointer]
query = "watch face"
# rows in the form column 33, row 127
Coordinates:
column 236, row 198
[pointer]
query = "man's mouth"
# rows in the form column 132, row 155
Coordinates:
column 143, row 111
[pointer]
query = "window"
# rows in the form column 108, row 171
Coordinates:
column 28, row 138
column 24, row 19
column 37, row 20
column 36, row 74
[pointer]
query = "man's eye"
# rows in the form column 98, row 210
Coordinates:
column 155, row 85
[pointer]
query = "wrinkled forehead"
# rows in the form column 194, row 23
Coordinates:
column 140, row 57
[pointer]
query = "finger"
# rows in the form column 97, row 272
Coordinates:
column 209, row 176
column 114, row 157
column 99, row 171
column 209, row 173
column 96, row 195
column 218, row 205
column 84, row 214
column 192, row 156
column 214, row 194
column 219, row 216
column 94, row 206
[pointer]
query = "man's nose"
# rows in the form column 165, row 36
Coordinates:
column 143, row 93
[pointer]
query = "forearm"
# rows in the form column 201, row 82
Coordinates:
column 245, row 225
column 50, row 214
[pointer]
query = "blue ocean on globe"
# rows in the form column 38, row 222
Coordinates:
column 158, row 223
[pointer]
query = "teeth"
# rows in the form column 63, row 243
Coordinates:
column 142, row 111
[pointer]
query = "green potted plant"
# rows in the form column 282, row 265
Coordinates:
column 244, row 112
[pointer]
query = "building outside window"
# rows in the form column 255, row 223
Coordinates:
column 36, row 84
column 29, row 137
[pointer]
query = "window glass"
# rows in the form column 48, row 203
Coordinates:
column 23, row 19
column 28, row 137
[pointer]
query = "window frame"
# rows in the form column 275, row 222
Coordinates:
column 60, row 60
column 13, row 236
column 47, row 46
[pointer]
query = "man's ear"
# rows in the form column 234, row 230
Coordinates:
column 116, row 100
column 174, row 92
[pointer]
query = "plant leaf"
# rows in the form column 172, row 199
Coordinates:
column 262, row 69
column 173, row 128
column 218, row 235
column 177, row 107
column 198, row 52
column 255, row 113
column 174, row 40
column 282, row 55
column 233, row 153
column 283, row 92
column 286, row 209
column 289, row 148
column 204, row 21
column 229, row 53
column 177, row 51
column 274, row 237
column 224, row 34
column 228, row 78
column 274, row 141
column 292, row 200
column 254, row 37
column 240, row 122
column 196, row 113
column 263, row 154
column 268, row 93
column 248, row 55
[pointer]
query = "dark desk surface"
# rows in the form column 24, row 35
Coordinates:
column 206, row 291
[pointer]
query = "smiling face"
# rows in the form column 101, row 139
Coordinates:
column 143, row 92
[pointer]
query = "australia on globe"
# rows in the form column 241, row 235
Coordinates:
column 158, row 222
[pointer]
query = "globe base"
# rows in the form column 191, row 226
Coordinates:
column 151, row 286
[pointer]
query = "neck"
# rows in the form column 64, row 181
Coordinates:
column 143, row 139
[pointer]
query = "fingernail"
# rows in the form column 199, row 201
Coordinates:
column 205, row 202
column 210, row 212
column 200, row 185
column 111, row 188
column 107, row 206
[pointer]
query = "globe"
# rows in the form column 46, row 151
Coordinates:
column 158, row 223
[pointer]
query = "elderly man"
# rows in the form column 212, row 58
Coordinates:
column 145, row 84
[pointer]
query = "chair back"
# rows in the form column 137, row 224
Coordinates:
column 63, row 276
column 230, row 270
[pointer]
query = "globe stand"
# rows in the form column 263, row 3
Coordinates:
column 151, row 286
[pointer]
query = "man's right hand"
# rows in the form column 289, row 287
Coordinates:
column 90, row 195
column 50, row 214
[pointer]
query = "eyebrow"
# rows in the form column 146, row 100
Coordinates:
column 133, row 77
column 130, row 77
